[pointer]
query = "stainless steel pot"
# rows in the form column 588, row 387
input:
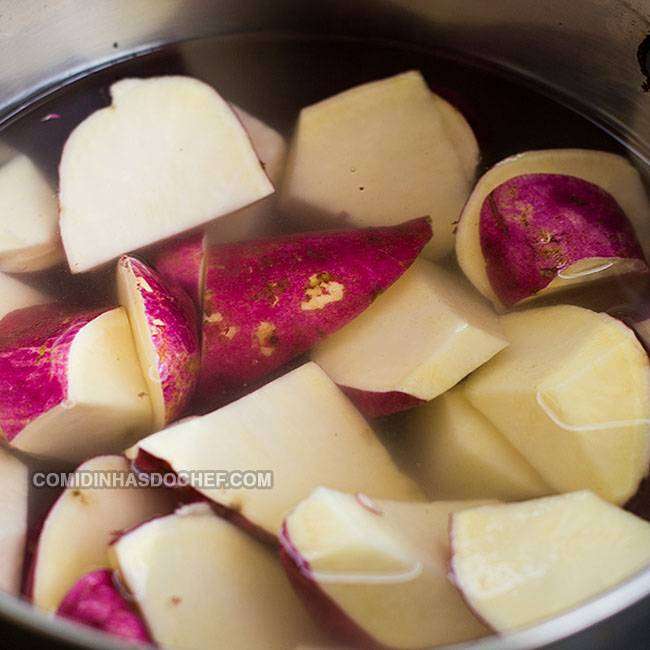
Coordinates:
column 585, row 53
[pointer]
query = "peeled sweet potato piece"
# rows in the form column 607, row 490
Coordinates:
column 167, row 156
column 380, row 153
column 268, row 301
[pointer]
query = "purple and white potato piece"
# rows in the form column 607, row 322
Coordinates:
column 539, row 229
column 200, row 582
column 15, row 294
column 268, row 301
column 301, row 428
column 168, row 155
column 29, row 238
column 417, row 340
column 331, row 618
column 165, row 327
column 565, row 231
column 181, row 261
column 374, row 573
column 378, row 154
column 83, row 522
column 95, row 601
column 70, row 382
column 14, row 485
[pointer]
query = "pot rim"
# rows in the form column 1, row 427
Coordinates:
column 563, row 626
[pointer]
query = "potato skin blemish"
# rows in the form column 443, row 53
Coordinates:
column 321, row 290
column 266, row 338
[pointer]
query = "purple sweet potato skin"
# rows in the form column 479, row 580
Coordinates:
column 173, row 327
column 332, row 619
column 95, row 601
column 534, row 226
column 180, row 261
column 268, row 301
column 378, row 405
column 35, row 344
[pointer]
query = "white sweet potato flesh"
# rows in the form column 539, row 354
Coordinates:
column 382, row 564
column 457, row 453
column 519, row 564
column 165, row 328
column 258, row 219
column 419, row 338
column 15, row 294
column 82, row 523
column 71, row 383
column 610, row 172
column 202, row 583
column 382, row 153
column 270, row 146
column 29, row 232
column 14, row 485
column 572, row 394
column 169, row 154
column 302, row 428
column 460, row 134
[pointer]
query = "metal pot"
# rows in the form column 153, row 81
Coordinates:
column 587, row 54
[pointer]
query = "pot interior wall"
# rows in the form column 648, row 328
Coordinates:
column 586, row 50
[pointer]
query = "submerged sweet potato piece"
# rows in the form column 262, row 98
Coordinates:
column 268, row 301
column 96, row 602
column 534, row 228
